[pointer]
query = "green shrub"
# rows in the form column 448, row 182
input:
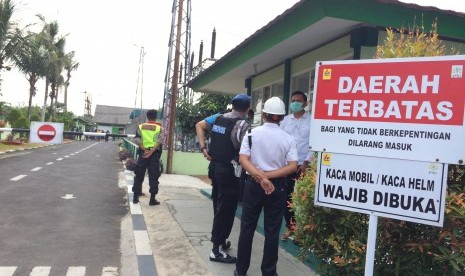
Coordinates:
column 338, row 238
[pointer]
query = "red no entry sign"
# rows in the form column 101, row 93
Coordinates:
column 46, row 133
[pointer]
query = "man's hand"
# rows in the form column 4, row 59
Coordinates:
column 301, row 169
column 147, row 154
column 267, row 186
column 206, row 155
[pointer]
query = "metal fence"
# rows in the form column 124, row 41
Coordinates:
column 66, row 134
column 131, row 147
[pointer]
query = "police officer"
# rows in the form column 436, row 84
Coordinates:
column 226, row 133
column 268, row 154
column 147, row 138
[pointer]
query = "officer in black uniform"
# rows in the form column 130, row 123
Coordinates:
column 226, row 133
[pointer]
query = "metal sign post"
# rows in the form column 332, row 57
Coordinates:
column 371, row 245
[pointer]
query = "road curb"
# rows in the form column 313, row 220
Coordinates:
column 144, row 254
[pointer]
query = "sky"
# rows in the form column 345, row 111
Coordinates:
column 107, row 36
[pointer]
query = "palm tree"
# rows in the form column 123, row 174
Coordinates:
column 11, row 39
column 55, row 46
column 32, row 62
column 70, row 65
column 56, row 79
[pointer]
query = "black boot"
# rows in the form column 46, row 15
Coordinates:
column 153, row 201
column 135, row 199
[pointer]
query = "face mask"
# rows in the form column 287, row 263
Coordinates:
column 296, row 107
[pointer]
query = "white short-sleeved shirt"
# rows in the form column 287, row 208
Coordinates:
column 272, row 148
column 300, row 130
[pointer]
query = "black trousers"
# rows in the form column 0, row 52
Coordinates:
column 273, row 205
column 242, row 180
column 288, row 213
column 211, row 175
column 151, row 165
column 226, row 201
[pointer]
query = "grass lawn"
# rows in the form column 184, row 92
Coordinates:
column 5, row 147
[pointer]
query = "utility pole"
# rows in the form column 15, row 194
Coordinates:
column 174, row 85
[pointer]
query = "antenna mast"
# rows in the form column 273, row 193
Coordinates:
column 175, row 81
column 87, row 104
column 140, row 78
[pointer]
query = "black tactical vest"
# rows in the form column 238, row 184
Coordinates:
column 221, row 147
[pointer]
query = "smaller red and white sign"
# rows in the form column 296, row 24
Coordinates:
column 46, row 133
column 49, row 133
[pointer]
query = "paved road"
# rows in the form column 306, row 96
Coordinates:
column 61, row 210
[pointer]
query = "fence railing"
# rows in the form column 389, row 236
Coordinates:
column 131, row 147
column 69, row 133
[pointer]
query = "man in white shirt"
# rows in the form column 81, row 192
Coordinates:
column 296, row 124
column 268, row 154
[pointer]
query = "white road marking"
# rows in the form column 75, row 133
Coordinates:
column 135, row 209
column 72, row 154
column 90, row 146
column 16, row 178
column 59, row 159
column 54, row 153
column 141, row 239
column 40, row 271
column 45, row 271
column 76, row 271
column 8, row 270
column 66, row 156
column 110, row 271
column 77, row 152
column 36, row 169
column 49, row 163
column 68, row 196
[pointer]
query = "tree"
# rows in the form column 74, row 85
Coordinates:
column 188, row 114
column 55, row 47
column 4, row 108
column 32, row 62
column 11, row 39
column 210, row 104
column 13, row 115
column 64, row 117
column 70, row 65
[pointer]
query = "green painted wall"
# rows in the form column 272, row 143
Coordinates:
column 187, row 163
column 330, row 51
column 266, row 78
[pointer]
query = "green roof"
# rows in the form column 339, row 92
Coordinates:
column 304, row 14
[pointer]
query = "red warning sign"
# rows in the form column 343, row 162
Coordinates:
column 46, row 133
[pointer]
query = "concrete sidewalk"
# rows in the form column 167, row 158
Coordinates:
column 179, row 232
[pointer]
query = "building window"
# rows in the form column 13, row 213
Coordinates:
column 259, row 97
column 304, row 82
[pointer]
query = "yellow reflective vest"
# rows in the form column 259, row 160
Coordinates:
column 149, row 133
